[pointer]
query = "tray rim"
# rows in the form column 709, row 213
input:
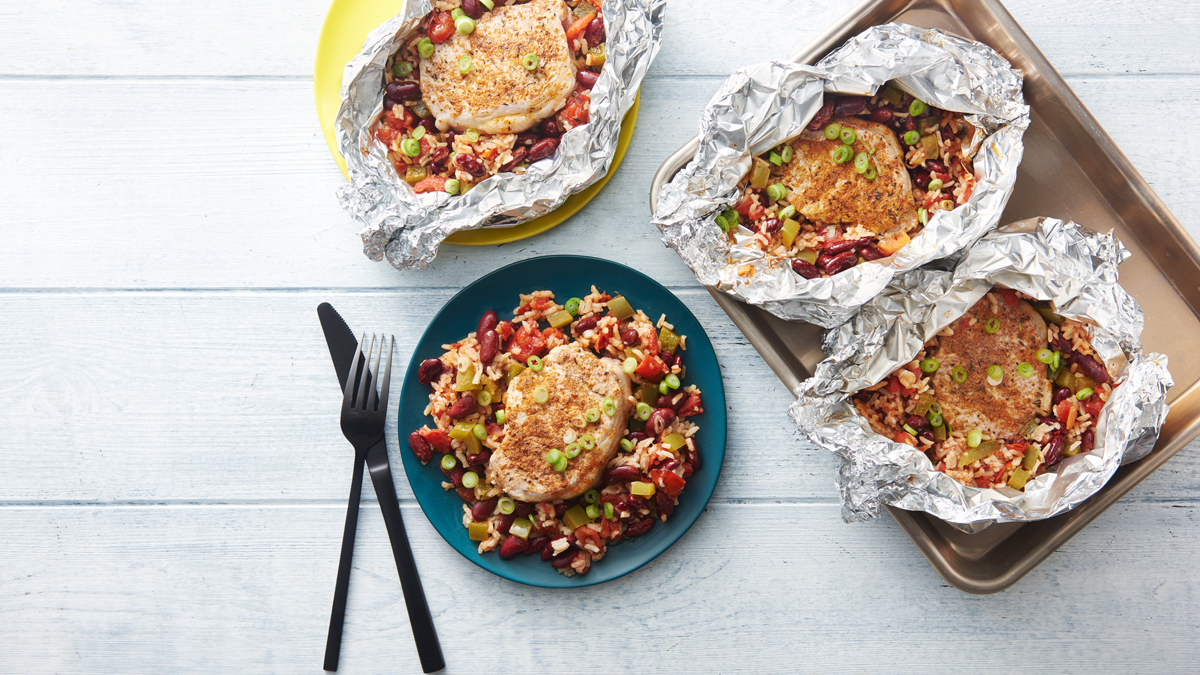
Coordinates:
column 919, row 526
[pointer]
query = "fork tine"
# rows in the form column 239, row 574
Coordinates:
column 374, row 398
column 387, row 372
column 367, row 382
column 352, row 380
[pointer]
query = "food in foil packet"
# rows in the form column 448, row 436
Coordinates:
column 1008, row 390
column 814, row 185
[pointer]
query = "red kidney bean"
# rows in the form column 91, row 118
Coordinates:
column 527, row 137
column 420, row 446
column 660, row 419
column 934, row 165
column 822, row 117
column 928, row 435
column 881, row 115
column 464, row 407
column 669, row 465
column 666, row 505
column 621, row 474
column 917, row 422
column 1087, row 441
column 537, row 544
column 805, row 268
column 523, row 509
column 637, row 436
column 586, row 323
column 595, row 31
column 403, row 91
column 518, row 155
column 1061, row 394
column 848, row 105
column 840, row 262
column 480, row 459
column 639, row 528
column 429, row 370
column 586, row 78
column 489, row 346
column 835, row 247
column 429, row 124
column 910, row 124
column 547, row 552
column 1054, row 449
column 456, row 475
column 512, row 547
column 564, row 559
column 921, row 179
column 678, row 362
column 466, row 494
column 472, row 8
column 484, row 508
column 550, row 128
column 1092, row 368
column 634, row 504
column 487, row 322
column 477, row 468
column 543, row 149
column 450, row 136
column 504, row 523
column 389, row 103
column 560, row 509
column 693, row 459
column 439, row 154
column 946, row 134
column 871, row 253
column 665, row 402
column 771, row 226
column 471, row 164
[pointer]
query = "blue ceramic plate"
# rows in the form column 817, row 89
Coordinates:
column 566, row 276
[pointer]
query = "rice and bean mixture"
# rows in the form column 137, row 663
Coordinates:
column 935, row 143
column 639, row 486
column 904, row 408
column 432, row 157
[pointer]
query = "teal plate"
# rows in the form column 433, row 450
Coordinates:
column 566, row 276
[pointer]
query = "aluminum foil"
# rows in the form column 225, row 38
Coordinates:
column 1048, row 259
column 763, row 105
column 406, row 227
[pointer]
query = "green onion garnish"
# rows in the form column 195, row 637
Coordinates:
column 452, row 186
column 535, row 363
column 560, row 466
column 479, row 431
column 499, row 417
column 672, row 381
column 626, row 445
column 609, row 407
column 464, row 63
column 775, row 159
column 992, row 325
column 643, row 411
column 848, row 136
column 472, row 135
column 507, row 505
column 861, row 162
column 465, row 26
column 1024, row 369
column 592, row 511
column 974, row 438
column 592, row 415
column 488, row 3
column 786, row 213
column 554, row 456
column 530, row 61
column 935, row 419
column 1084, row 394
column 1045, row 355
column 572, row 306
column 630, row 365
column 870, row 173
column 912, row 137
column 776, row 191
column 663, row 388
column 470, row 479
column 923, row 216
column 457, row 13
column 608, row 510
column 995, row 372
column 910, row 430
column 1056, row 362
column 587, row 441
column 449, row 462
column 572, row 450
column 483, row 398
column 935, row 184
column 959, row 374
column 833, row 131
column 411, row 147
column 418, row 132
column 786, row 153
column 930, row 365
column 842, row 154
column 591, row 496
column 425, row 48
column 402, row 69
column 917, row 107
column 541, row 395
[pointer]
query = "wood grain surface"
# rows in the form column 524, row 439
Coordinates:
column 172, row 474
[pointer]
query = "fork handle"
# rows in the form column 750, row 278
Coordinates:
column 428, row 648
column 337, row 619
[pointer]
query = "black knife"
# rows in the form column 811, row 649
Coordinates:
column 343, row 348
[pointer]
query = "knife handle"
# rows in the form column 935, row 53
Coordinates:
column 337, row 619
column 428, row 648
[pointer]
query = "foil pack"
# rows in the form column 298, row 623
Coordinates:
column 1047, row 259
column 763, row 105
column 407, row 228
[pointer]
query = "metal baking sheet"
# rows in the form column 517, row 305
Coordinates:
column 1071, row 170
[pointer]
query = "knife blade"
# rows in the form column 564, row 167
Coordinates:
column 342, row 343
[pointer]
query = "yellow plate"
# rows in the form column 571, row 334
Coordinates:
column 342, row 36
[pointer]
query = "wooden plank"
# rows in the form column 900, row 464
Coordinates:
column 224, row 37
column 751, row 588
column 228, row 184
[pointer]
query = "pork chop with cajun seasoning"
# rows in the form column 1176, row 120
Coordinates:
column 998, row 411
column 827, row 192
column 575, row 380
column 499, row 95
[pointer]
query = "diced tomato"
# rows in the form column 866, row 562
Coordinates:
column 652, row 345
column 527, row 342
column 905, row 437
column 577, row 110
column 494, row 428
column 1018, row 445
column 893, row 385
column 403, row 121
column 1093, row 406
column 441, row 27
column 983, row 481
column 1066, row 411
column 580, row 25
column 652, row 367
column 691, row 406
column 431, row 184
column 1009, row 295
column 504, row 329
column 540, row 303
column 609, row 528
column 669, row 481
column 386, row 135
column 554, row 333
column 438, row 439
column 426, row 146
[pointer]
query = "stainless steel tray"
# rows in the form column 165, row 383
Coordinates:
column 1071, row 169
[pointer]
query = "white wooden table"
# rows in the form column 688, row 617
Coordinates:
column 172, row 475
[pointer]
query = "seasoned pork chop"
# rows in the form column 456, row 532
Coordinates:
column 499, row 95
column 827, row 192
column 997, row 411
column 576, row 380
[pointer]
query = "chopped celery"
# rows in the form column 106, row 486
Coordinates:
column 420, row 110
column 415, row 174
column 1018, row 479
column 939, row 433
column 1064, row 378
column 521, row 527
column 649, row 393
column 809, row 254
column 1082, row 382
column 1031, row 458
column 924, row 403
column 478, row 531
column 1050, row 315
column 760, row 174
column 620, row 308
column 560, row 318
column 985, row 449
column 926, row 124
column 674, row 441
column 641, row 489
column 514, row 369
column 461, row 431
column 788, row 231
column 1029, row 427
column 668, row 340
column 598, row 55
column 465, row 380
column 930, row 144
column 473, row 446
column 576, row 517
column 892, row 95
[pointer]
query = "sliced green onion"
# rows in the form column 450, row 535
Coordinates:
column 470, row 479
column 786, row 153
column 643, row 411
column 411, row 147
column 541, row 395
column 861, row 162
column 974, row 438
column 560, row 466
column 959, row 374
column 483, row 398
column 488, row 3
column 592, row 415
column 506, row 505
column 464, row 63
column 457, row 13
column 848, row 136
column 425, row 48
column 480, row 431
column 530, row 61
column 449, row 462
column 663, row 388
column 935, row 184
column 722, row 223
column 472, row 135
column 554, row 456
column 587, row 441
column 776, row 191
column 775, row 159
column 592, row 511
column 1024, row 369
column 787, row 212
column 930, row 365
column 608, row 510
column 591, row 496
column 572, row 306
column 402, row 69
column 1045, row 355
column 833, row 131
column 923, row 216
column 1084, row 394
column 499, row 417
column 465, row 26
column 910, row 430
column 630, row 365
column 452, row 186
column 626, row 445
column 870, row 173
column 842, row 154
column 935, row 407
column 535, row 363
column 935, row 419
column 995, row 372
column 418, row 132
column 1056, row 362
column 992, row 325
column 912, row 137
column 672, row 381
column 572, row 450
column 609, row 407
column 917, row 107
